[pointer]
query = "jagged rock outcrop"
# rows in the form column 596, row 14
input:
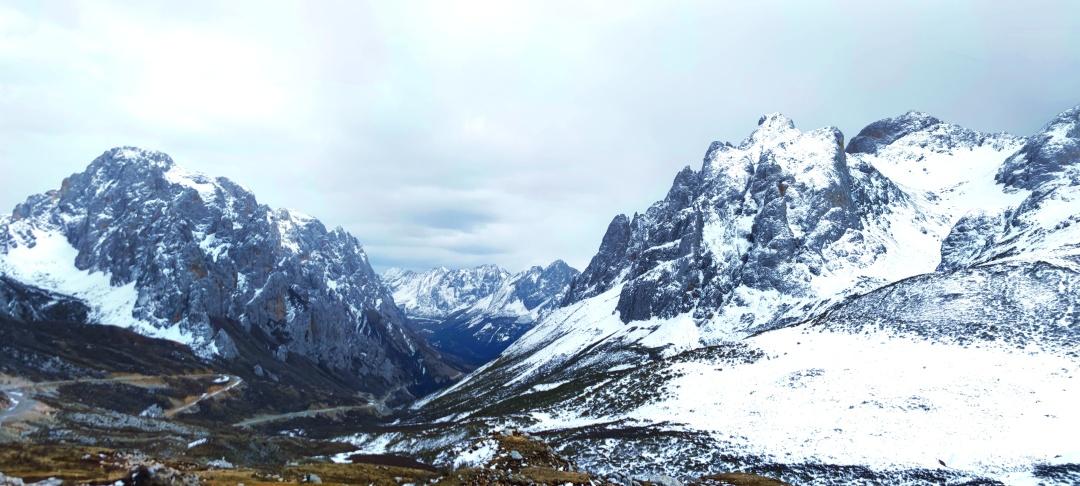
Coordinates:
column 758, row 215
column 169, row 253
column 1055, row 148
column 27, row 303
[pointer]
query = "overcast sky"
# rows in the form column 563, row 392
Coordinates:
column 459, row 133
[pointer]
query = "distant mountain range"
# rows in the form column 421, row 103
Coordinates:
column 475, row 313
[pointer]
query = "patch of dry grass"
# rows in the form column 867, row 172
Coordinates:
column 740, row 479
column 360, row 474
column 232, row 477
column 72, row 463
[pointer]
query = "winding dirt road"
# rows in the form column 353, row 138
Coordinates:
column 303, row 413
column 377, row 405
column 20, row 404
column 228, row 381
column 21, row 395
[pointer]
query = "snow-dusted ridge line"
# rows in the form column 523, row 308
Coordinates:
column 806, row 219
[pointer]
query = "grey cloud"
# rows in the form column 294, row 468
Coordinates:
column 459, row 133
column 452, row 218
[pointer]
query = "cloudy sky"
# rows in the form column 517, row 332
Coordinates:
column 458, row 133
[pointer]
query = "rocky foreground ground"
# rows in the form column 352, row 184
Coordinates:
column 504, row 459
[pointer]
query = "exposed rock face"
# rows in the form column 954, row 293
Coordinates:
column 882, row 133
column 476, row 313
column 27, row 303
column 757, row 215
column 168, row 252
column 1046, row 155
column 969, row 238
column 607, row 265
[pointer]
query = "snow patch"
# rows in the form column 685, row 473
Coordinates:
column 47, row 260
column 478, row 455
column 201, row 183
column 543, row 387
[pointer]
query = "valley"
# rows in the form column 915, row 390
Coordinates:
column 897, row 308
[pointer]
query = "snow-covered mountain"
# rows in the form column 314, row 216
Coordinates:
column 476, row 313
column 900, row 310
column 171, row 253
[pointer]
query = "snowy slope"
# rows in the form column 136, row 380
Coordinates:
column 902, row 310
column 50, row 263
column 882, row 401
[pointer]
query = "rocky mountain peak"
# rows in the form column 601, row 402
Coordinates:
column 781, row 195
column 1052, row 150
column 775, row 121
column 176, row 254
column 475, row 313
column 773, row 129
column 558, row 266
column 607, row 265
column 543, row 286
column 793, row 213
column 128, row 155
